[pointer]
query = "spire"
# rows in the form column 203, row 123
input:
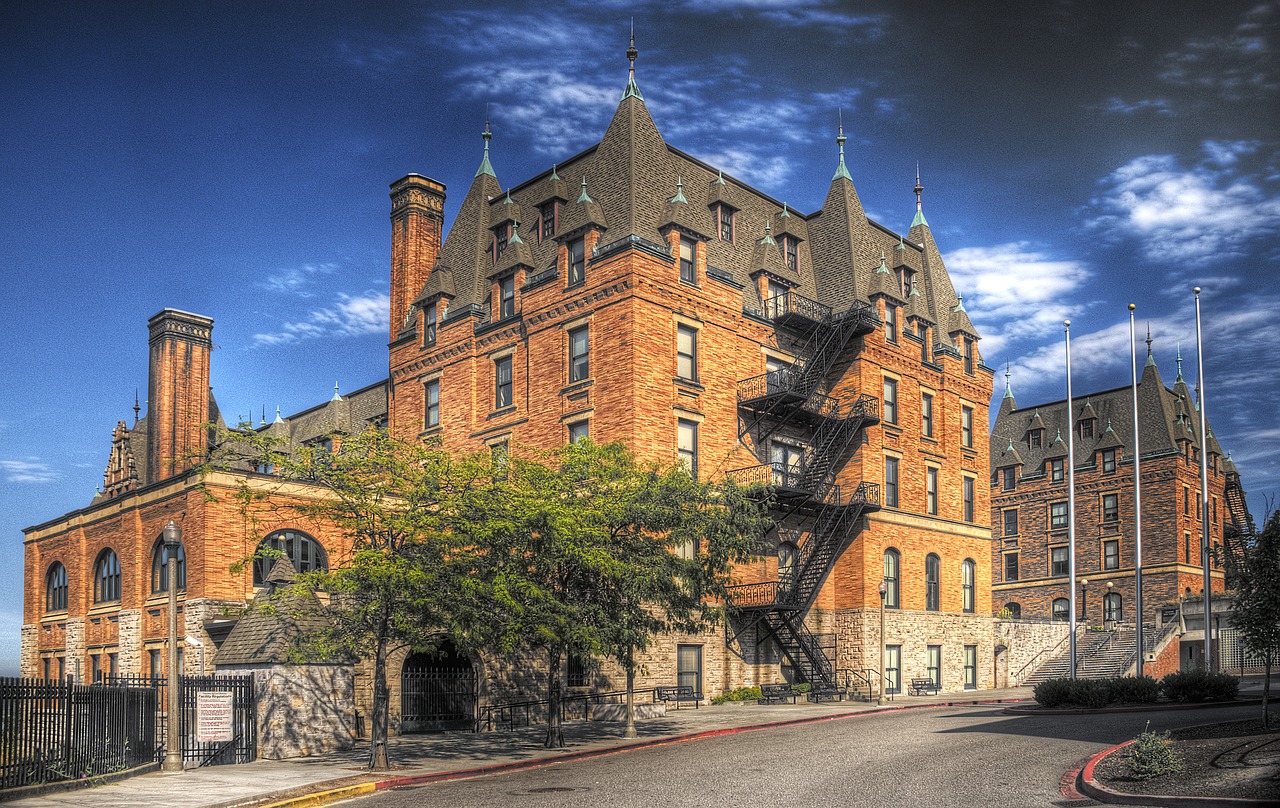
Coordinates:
column 485, row 167
column 582, row 197
column 1179, row 360
column 919, row 219
column 632, row 90
column 554, row 176
column 1150, row 360
column 1008, row 389
column 679, row 197
column 336, row 395
column 278, row 419
column 515, row 231
column 263, row 420
column 959, row 302
column 841, row 171
column 786, row 214
column 768, row 233
column 902, row 245
column 136, row 408
column 883, row 268
column 719, row 180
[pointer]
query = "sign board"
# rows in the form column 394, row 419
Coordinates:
column 214, row 716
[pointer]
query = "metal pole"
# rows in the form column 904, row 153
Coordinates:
column 1137, row 489
column 883, row 588
column 1204, row 497
column 172, row 751
column 1071, row 503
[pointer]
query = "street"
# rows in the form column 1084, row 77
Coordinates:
column 973, row 756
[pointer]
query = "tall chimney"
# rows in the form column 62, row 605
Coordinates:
column 417, row 227
column 177, row 392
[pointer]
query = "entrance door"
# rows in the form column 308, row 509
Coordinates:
column 437, row 691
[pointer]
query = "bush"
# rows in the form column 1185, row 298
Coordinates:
column 738, row 694
column 1054, row 692
column 1068, row 693
column 800, row 688
column 1152, row 755
column 1134, row 690
column 1199, row 685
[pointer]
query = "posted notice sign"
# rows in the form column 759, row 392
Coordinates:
column 213, row 716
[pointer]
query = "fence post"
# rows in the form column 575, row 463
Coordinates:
column 67, row 724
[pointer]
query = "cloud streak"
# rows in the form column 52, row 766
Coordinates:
column 29, row 470
column 350, row 316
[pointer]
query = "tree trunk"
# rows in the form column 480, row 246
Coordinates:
column 631, row 699
column 1266, row 692
column 378, row 757
column 555, row 733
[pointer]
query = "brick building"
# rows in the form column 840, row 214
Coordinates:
column 1030, row 557
column 630, row 293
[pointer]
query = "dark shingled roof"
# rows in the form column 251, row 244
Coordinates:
column 267, row 633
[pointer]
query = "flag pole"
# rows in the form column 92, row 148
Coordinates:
column 1071, row 503
column 1205, row 557
column 1137, row 489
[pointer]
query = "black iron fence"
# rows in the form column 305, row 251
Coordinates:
column 53, row 730
column 514, row 715
column 241, row 747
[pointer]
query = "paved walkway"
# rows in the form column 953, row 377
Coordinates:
column 273, row 782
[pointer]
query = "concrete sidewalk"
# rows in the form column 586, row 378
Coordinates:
column 277, row 782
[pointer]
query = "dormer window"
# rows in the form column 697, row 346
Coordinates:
column 968, row 358
column 890, row 323
column 1009, row 478
column 906, row 279
column 687, row 268
column 577, row 261
column 790, row 252
column 500, row 235
column 429, row 324
column 724, row 217
column 507, row 297
column 1086, row 428
column 1035, row 438
column 548, row 215
column 1108, row 460
column 922, row 331
column 1056, row 469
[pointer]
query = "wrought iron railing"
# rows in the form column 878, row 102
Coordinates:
column 792, row 303
column 759, row 594
column 515, row 715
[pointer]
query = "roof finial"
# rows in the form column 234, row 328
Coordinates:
column 786, row 214
column 515, row 233
column 554, row 176
column 902, row 245
column 336, row 395
column 1179, row 360
column 1150, row 359
column 679, row 197
column 1008, row 389
column 919, row 219
column 841, row 171
column 582, row 197
column 278, row 419
column 768, row 233
column 883, row 268
column 263, row 420
column 136, row 408
column 632, row 53
column 485, row 167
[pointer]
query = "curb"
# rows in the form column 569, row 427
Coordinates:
column 323, row 797
column 1090, row 786
column 1132, row 708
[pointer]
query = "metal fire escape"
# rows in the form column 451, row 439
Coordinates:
column 808, row 503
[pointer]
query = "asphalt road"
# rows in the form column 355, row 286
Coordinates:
column 957, row 756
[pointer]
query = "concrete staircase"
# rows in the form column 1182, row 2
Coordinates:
column 1099, row 655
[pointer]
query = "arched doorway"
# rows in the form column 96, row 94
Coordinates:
column 437, row 691
column 1001, row 672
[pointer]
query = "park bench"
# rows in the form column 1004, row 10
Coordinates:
column 821, row 693
column 776, row 694
column 922, row 685
column 677, row 694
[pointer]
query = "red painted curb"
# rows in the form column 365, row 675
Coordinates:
column 1096, row 790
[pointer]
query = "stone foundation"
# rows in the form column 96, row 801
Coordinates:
column 302, row 709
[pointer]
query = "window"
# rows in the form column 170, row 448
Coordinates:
column 55, row 589
column 966, row 427
column 893, row 669
column 970, row 667
column 725, row 217
column 968, row 356
column 933, row 664
column 579, row 430
column 787, row 555
column 922, row 331
column 926, row 415
column 429, row 324
column 969, row 486
column 1108, row 460
column 1058, row 516
column 1086, row 428
column 932, row 568
column 507, row 297
column 1056, row 470
column 106, row 577
column 787, row 463
column 1186, row 501
column 548, row 213
column 1009, row 478
column 890, row 323
column 689, row 667
column 892, row 565
column 1186, row 547
column 1011, row 566
column 1010, row 521
column 576, row 672
column 1112, row 610
column 499, row 241
column 1059, row 561
column 931, row 490
column 891, row 482
column 1014, row 610
column 1061, row 610
column 1111, row 508
column 579, row 355
column 791, row 253
column 1035, row 438
column 431, row 409
column 688, row 273
column 305, row 553
column 498, row 455
column 906, row 281
column 890, row 401
column 777, row 298
column 967, row 574
column 160, row 567
column 1111, row 554
column 687, row 353
column 95, row 666
column 687, row 548
column 577, row 261
column 687, row 445
column 502, row 383
column 154, row 664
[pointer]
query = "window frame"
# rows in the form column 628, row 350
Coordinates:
column 1009, row 478
column 1011, row 565
column 576, row 269
column 1111, row 509
column 890, row 403
column 429, row 313
column 431, row 404
column 1005, row 520
column 160, row 567
column 893, row 673
column 579, row 353
column 931, row 490
column 685, row 675
column 971, row 667
column 55, row 587
column 1059, row 562
column 933, row 664
column 686, row 360
column 892, row 578
column 1108, row 461
column 688, row 266
column 291, row 543
column 969, row 489
column 926, row 415
column 968, row 583
column 574, row 435
column 1112, row 607
column 791, row 252
column 725, row 221
column 1060, row 610
column 966, row 426
column 1111, row 554
column 503, row 382
column 1059, row 518
column 890, row 323
column 506, row 297
column 687, row 455
column 545, row 232
column 1057, row 470
column 107, row 578
column 891, row 476
column 932, row 582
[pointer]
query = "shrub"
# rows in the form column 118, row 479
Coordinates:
column 1068, row 693
column 1199, row 685
column 1054, row 692
column 1152, row 755
column 800, row 688
column 1134, row 690
column 1091, row 693
column 738, row 694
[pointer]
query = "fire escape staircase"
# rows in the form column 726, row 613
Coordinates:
column 1241, row 530
column 790, row 395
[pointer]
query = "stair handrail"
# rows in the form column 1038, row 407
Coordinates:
column 1018, row 678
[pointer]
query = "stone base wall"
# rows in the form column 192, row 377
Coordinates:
column 129, row 642
column 76, row 649
column 29, row 656
column 859, row 643
column 1027, row 644
column 302, row 709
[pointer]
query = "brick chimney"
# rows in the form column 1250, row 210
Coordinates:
column 417, row 227
column 177, row 392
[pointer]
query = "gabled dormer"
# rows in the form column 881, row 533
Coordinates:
column 1035, row 431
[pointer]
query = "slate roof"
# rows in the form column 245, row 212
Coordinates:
column 267, row 633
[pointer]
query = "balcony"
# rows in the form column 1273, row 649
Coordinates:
column 791, row 311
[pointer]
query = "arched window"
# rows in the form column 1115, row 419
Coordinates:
column 966, row 585
column 55, row 588
column 160, row 567
column 1112, row 607
column 106, row 577
column 892, row 563
column 1014, row 609
column 932, row 570
column 1060, row 610
column 787, row 554
column 304, row 552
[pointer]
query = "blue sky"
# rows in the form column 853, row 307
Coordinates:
column 233, row 159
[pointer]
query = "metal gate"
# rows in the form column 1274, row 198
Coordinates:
column 437, row 692
column 243, row 746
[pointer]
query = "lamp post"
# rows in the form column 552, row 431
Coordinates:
column 1106, row 605
column 172, row 751
column 883, row 590
column 1084, row 601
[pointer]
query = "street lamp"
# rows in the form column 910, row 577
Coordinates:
column 883, row 591
column 172, row 752
column 1106, row 604
column 1084, row 600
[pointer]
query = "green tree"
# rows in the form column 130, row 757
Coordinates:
column 1253, row 567
column 402, row 584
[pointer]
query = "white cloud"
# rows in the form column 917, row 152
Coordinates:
column 28, row 470
column 349, row 317
column 1158, row 106
column 1186, row 214
column 295, row 280
column 1014, row 290
column 1236, row 66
